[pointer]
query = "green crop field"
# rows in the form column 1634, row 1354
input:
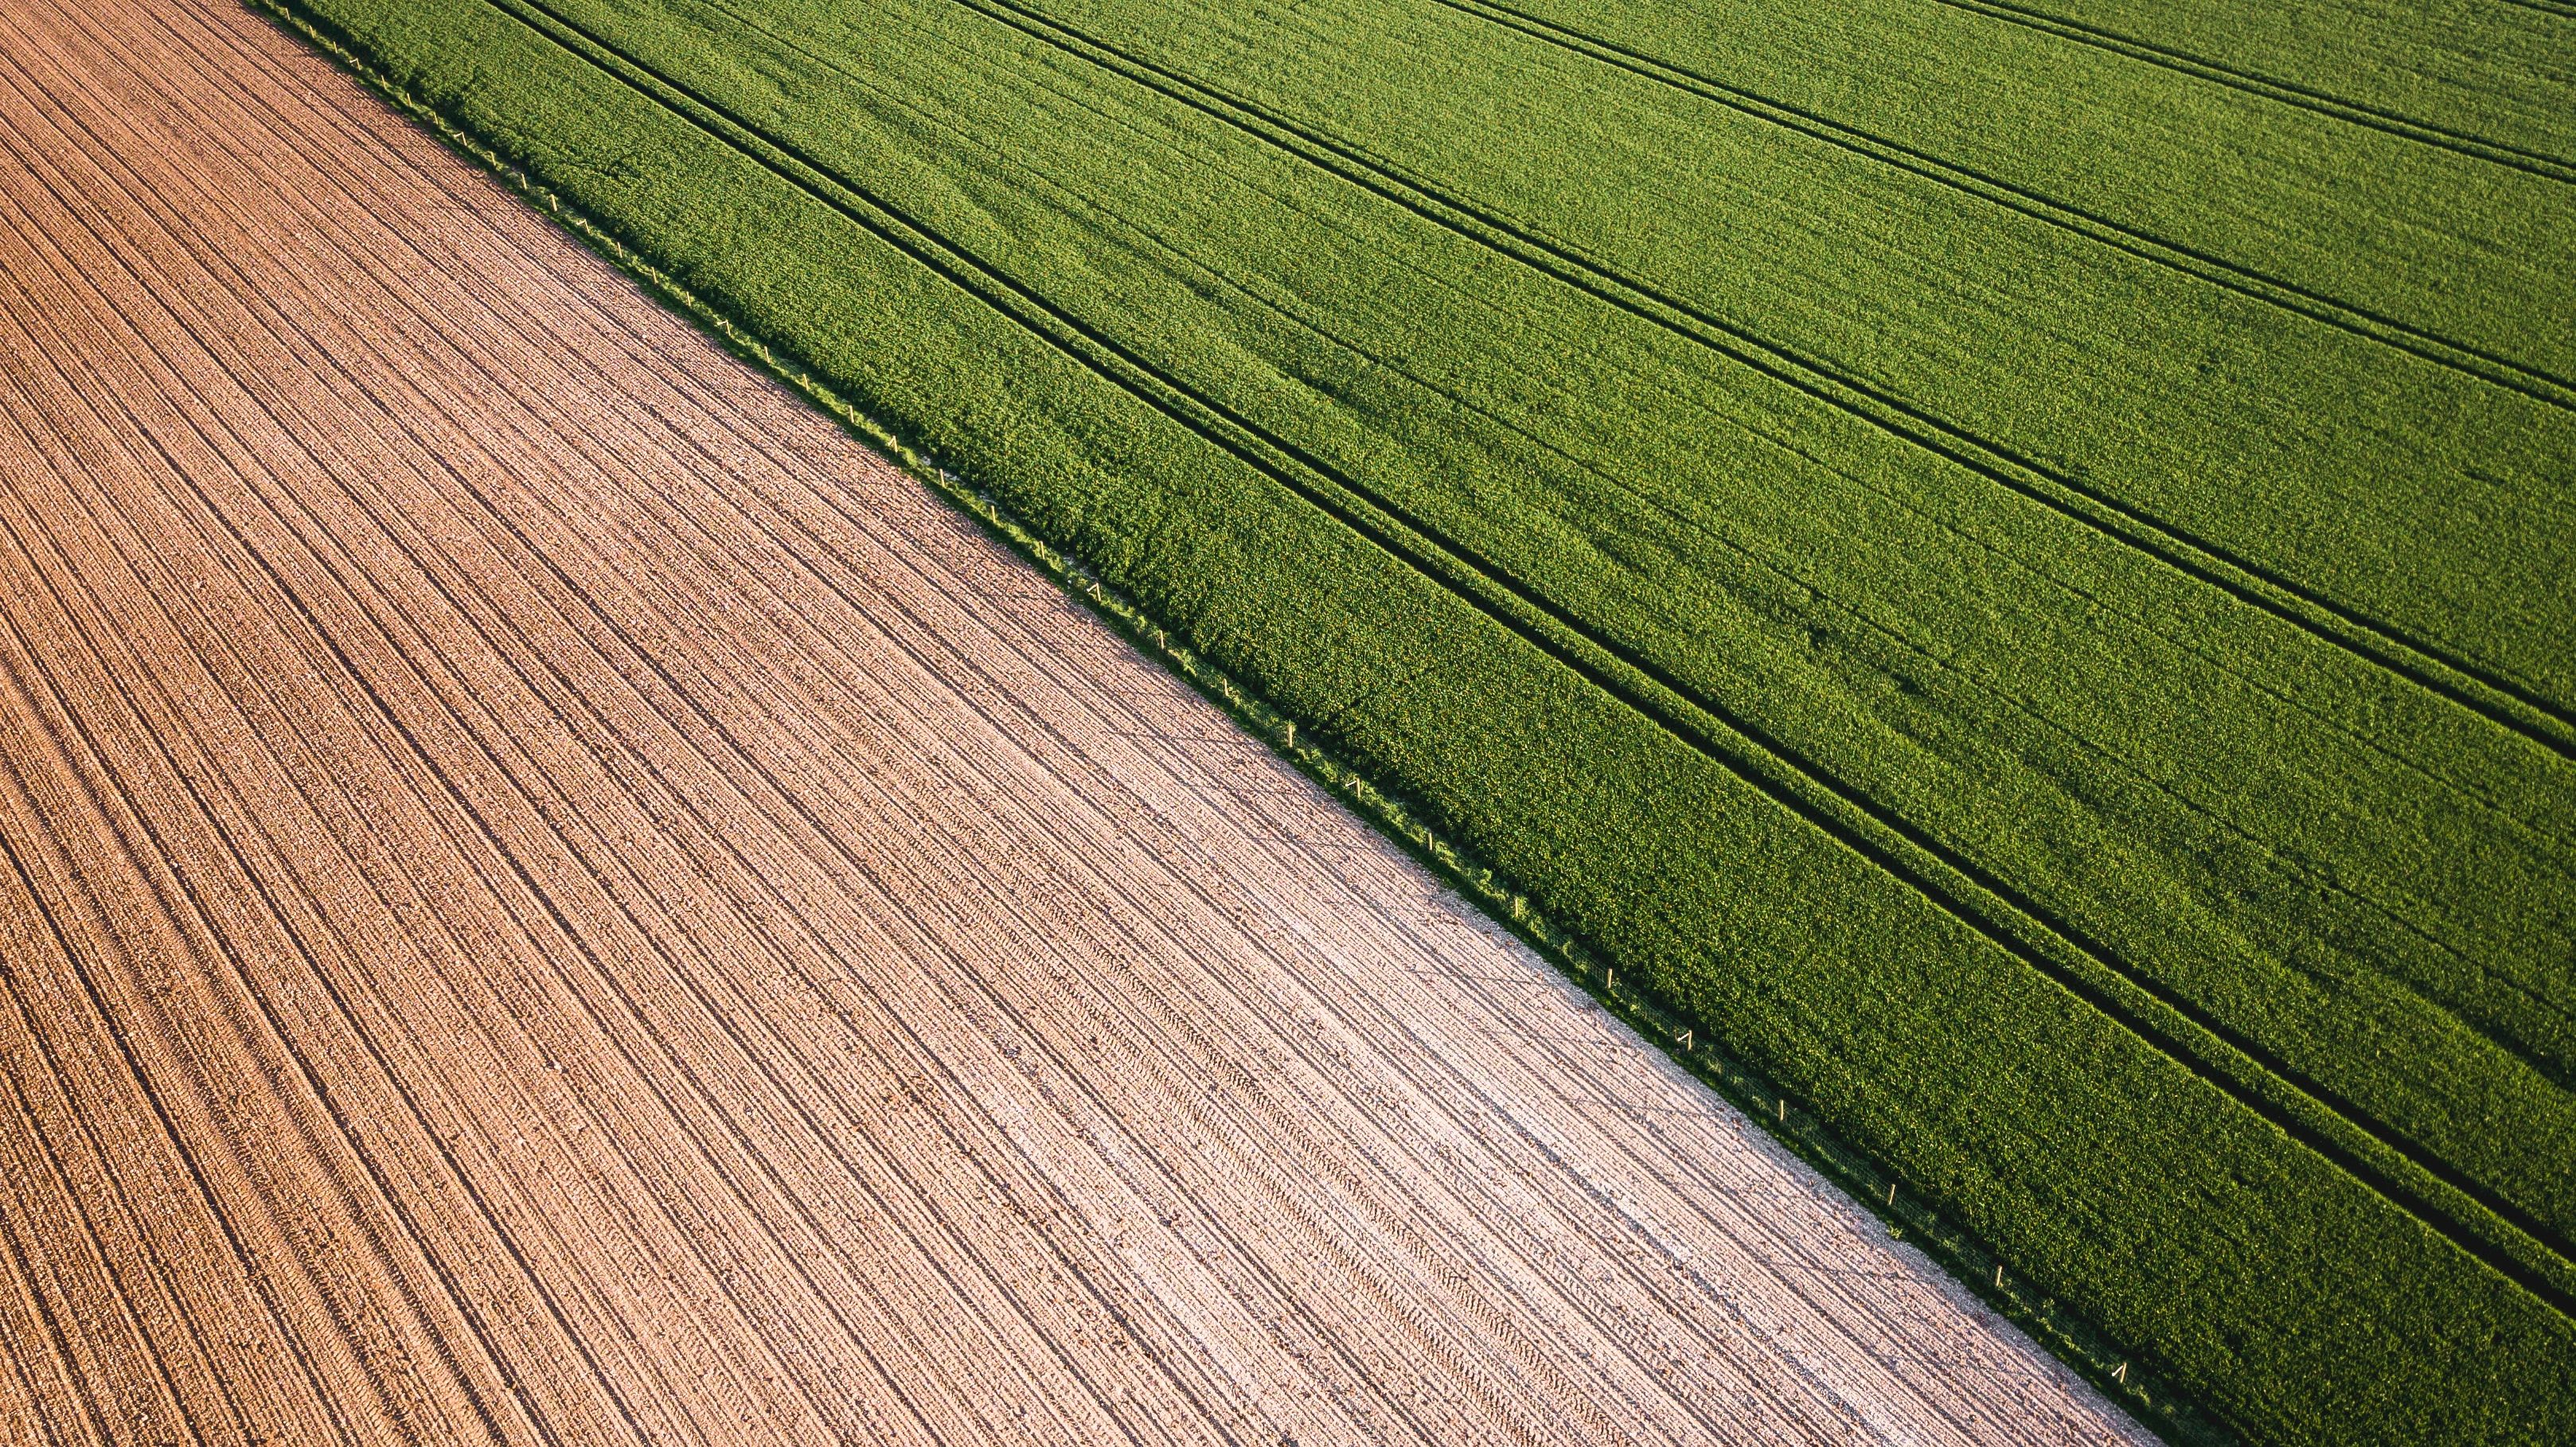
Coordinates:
column 2014, row 564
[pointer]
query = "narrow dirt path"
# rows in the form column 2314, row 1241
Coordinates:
column 549, row 896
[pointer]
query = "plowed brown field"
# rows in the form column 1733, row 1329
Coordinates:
column 550, row 896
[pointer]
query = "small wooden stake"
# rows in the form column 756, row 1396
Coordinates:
column 1999, row 1278
column 1784, row 1110
column 2121, row 1374
column 1891, row 1193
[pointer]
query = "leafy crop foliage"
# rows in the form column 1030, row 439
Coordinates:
column 2016, row 564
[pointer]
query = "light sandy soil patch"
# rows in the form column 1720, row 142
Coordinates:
column 547, row 895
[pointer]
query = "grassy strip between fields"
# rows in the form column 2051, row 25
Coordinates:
column 1971, row 1261
column 1416, row 425
column 2318, row 1051
column 2301, row 1304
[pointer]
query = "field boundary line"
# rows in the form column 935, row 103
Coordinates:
column 2120, row 1375
column 2388, row 122
column 2201, row 265
column 2424, row 664
column 2473, row 1218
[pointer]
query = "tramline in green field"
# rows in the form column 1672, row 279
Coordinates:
column 2016, row 566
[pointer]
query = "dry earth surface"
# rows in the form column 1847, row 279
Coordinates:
column 551, row 896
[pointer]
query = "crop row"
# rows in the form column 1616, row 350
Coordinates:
column 2488, row 78
column 2507, row 704
column 2109, row 230
column 2231, row 423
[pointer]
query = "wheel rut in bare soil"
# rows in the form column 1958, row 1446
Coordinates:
column 550, row 895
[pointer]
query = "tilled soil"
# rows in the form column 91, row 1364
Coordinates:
column 551, row 896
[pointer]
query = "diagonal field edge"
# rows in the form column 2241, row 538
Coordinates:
column 1214, row 105
column 2521, row 1251
column 1733, row 748
column 2533, row 163
column 1965, row 891
column 2078, row 1342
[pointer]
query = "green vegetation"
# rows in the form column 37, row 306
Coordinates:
column 2015, row 564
